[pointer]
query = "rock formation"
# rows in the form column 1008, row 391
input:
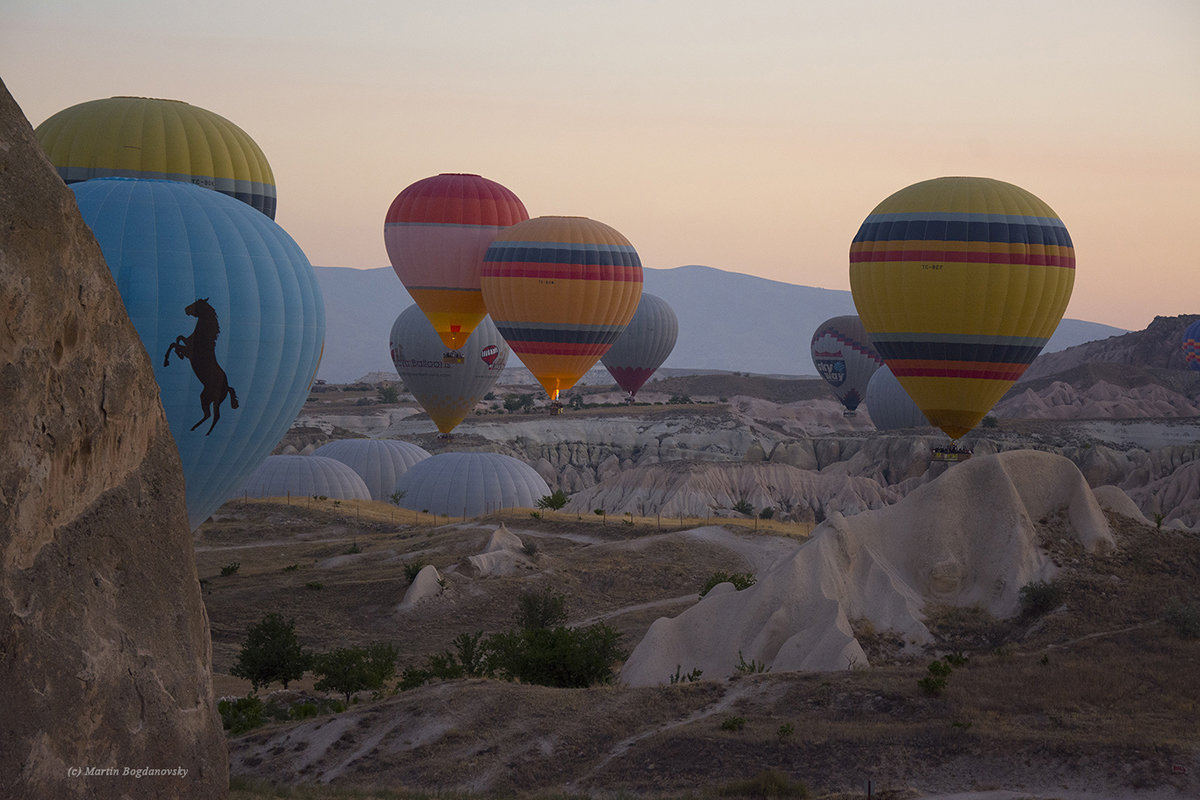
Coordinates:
column 105, row 657
column 967, row 538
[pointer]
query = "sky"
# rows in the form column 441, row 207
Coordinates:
column 751, row 136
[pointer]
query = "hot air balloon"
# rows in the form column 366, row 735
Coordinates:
column 960, row 282
column 843, row 356
column 379, row 462
column 561, row 290
column 305, row 476
column 1191, row 345
column 436, row 232
column 643, row 347
column 446, row 389
column 228, row 308
column 143, row 137
column 889, row 405
column 470, row 484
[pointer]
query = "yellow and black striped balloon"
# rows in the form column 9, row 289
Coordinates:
column 150, row 138
column 959, row 283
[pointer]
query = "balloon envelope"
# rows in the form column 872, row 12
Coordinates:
column 228, row 308
column 436, row 232
column 960, row 282
column 143, row 137
column 561, row 290
column 843, row 356
column 889, row 405
column 379, row 462
column 447, row 389
column 305, row 476
column 645, row 344
column 470, row 484
column 1191, row 345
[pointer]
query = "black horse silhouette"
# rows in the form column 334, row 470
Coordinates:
column 200, row 349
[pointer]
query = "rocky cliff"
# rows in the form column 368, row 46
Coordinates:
column 105, row 660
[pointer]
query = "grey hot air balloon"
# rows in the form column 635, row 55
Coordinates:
column 470, row 484
column 379, row 462
column 843, row 356
column 305, row 476
column 447, row 389
column 889, row 405
column 644, row 345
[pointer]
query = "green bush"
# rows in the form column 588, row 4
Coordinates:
column 938, row 677
column 411, row 568
column 740, row 580
column 769, row 783
column 766, row 513
column 1039, row 597
column 540, row 609
column 751, row 667
column 271, row 653
column 562, row 657
column 231, row 568
column 553, row 501
column 1184, row 617
column 355, row 669
column 241, row 715
column 743, row 507
column 681, row 677
column 733, row 723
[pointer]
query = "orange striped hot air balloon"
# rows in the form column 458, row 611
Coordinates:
column 561, row 290
column 436, row 232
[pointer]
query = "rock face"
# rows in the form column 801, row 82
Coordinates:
column 105, row 657
column 967, row 538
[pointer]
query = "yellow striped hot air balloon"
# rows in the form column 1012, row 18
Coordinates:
column 144, row 137
column 960, row 282
column 561, row 290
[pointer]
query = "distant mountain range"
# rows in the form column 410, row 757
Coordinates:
column 727, row 321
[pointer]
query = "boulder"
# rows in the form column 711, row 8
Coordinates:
column 105, row 656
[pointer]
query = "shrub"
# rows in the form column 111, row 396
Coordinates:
column 743, row 507
column 990, row 422
column 231, row 568
column 769, row 783
column 752, row 667
column 934, row 683
column 1184, row 617
column 411, row 568
column 355, row 669
column 766, row 513
column 271, row 653
column 733, row 723
column 680, row 677
column 388, row 393
column 241, row 714
column 540, row 609
column 1039, row 597
column 553, row 501
column 562, row 657
column 740, row 580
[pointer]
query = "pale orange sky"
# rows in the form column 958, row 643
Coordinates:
column 747, row 136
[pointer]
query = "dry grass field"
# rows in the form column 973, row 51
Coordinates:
column 1099, row 697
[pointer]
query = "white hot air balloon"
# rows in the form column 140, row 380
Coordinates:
column 448, row 390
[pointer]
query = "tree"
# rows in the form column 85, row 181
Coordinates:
column 388, row 393
column 271, row 653
column 355, row 669
column 553, row 501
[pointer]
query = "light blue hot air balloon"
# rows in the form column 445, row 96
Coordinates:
column 228, row 307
